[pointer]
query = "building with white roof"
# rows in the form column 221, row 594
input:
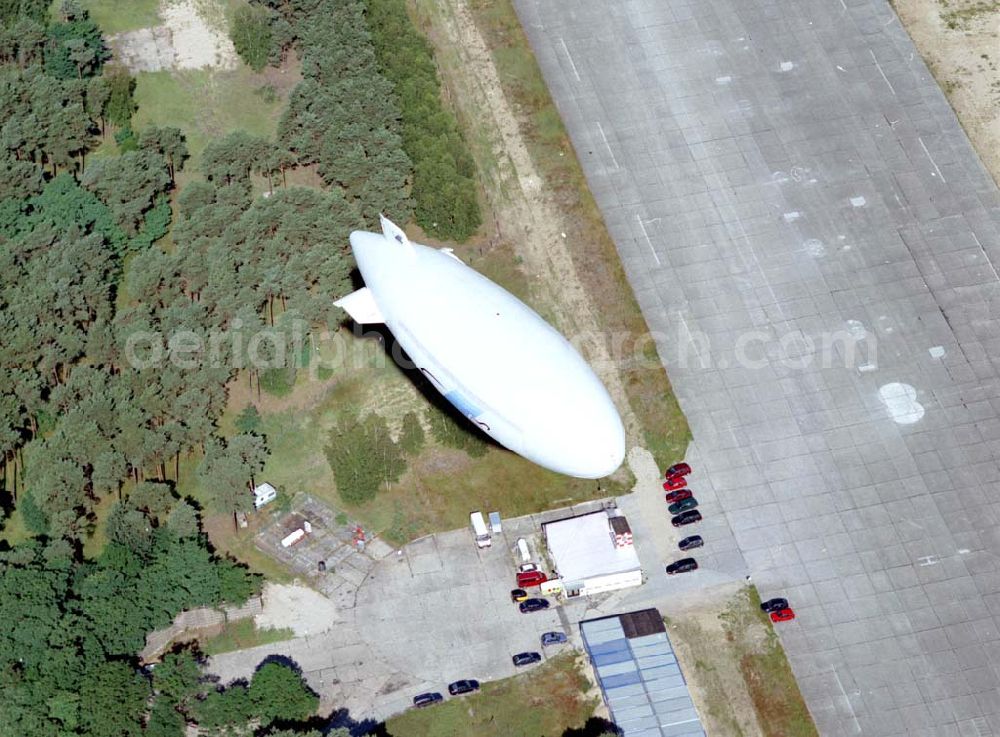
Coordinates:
column 593, row 553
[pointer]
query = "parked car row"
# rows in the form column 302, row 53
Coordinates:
column 457, row 688
column 682, row 507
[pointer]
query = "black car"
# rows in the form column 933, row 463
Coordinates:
column 533, row 605
column 460, row 687
column 426, row 699
column 526, row 659
column 682, row 566
column 686, row 518
column 774, row 605
column 690, row 543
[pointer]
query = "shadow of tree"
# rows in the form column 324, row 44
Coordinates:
column 594, row 727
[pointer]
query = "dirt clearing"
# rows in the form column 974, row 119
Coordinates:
column 193, row 35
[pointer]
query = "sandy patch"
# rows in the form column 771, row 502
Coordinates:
column 193, row 35
column 300, row 608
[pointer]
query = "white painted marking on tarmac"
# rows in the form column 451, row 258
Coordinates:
column 791, row 217
column 994, row 268
column 901, row 402
column 879, row 67
column 936, row 351
column 723, row 80
column 858, row 201
column 648, row 241
column 857, row 726
column 857, row 329
column 607, row 145
column 815, row 247
column 570, row 57
column 928, row 560
column 924, row 147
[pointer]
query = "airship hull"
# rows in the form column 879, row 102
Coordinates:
column 494, row 358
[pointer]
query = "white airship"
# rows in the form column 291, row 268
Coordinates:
column 489, row 354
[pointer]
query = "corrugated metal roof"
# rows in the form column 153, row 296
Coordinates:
column 639, row 675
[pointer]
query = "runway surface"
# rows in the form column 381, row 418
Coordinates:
column 812, row 239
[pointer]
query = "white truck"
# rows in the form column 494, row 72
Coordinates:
column 480, row 531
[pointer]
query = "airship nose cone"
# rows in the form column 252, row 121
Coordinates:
column 589, row 448
column 603, row 452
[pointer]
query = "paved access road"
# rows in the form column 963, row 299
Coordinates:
column 813, row 240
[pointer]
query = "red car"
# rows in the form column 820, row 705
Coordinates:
column 783, row 615
column 678, row 496
column 678, row 469
column 674, row 483
column 531, row 578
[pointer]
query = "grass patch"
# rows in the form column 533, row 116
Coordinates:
column 437, row 492
column 206, row 105
column 115, row 16
column 242, row 634
column 546, row 702
column 440, row 487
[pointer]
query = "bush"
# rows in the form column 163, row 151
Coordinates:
column 250, row 31
column 277, row 382
column 363, row 457
column 411, row 439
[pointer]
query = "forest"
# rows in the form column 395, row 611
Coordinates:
column 112, row 281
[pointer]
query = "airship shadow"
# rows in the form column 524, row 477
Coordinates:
column 394, row 351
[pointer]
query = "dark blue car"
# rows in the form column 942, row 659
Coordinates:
column 426, row 699
column 461, row 687
column 553, row 638
column 526, row 659
column 533, row 605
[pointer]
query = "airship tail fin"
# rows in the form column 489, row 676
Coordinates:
column 360, row 305
column 392, row 231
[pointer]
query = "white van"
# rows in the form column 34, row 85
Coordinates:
column 479, row 530
column 522, row 548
